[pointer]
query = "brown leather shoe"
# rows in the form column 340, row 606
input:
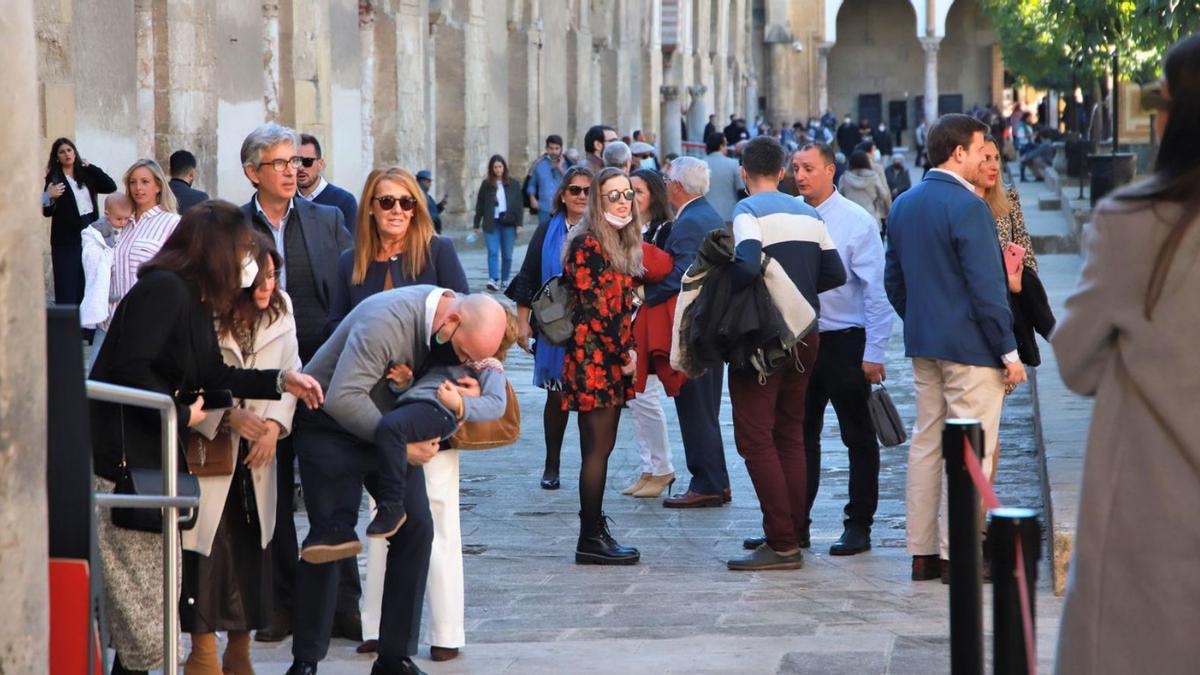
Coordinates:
column 443, row 653
column 368, row 647
column 692, row 500
column 726, row 496
column 926, row 567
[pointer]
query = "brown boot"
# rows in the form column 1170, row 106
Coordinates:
column 638, row 484
column 655, row 486
column 237, row 654
column 203, row 659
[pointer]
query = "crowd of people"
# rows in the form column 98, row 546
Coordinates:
column 346, row 335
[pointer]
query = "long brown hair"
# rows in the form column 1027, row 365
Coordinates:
column 624, row 246
column 1176, row 176
column 997, row 196
column 204, row 250
column 244, row 315
column 417, row 239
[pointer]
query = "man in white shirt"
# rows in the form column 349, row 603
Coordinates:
column 855, row 324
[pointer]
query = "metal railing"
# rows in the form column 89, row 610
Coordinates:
column 169, row 501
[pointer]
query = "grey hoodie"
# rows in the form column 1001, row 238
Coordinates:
column 862, row 187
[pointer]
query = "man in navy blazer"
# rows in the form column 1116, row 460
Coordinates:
column 313, row 186
column 699, row 401
column 945, row 278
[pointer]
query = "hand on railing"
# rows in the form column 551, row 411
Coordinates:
column 303, row 387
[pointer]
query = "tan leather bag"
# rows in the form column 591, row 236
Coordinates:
column 495, row 433
column 210, row 458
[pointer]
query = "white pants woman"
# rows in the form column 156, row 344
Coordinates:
column 444, row 590
column 650, row 422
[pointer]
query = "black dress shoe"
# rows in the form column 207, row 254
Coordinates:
column 550, row 484
column 405, row 667
column 442, row 653
column 596, row 546
column 348, row 626
column 302, row 668
column 751, row 543
column 277, row 631
column 853, row 540
column 387, row 521
column 926, row 567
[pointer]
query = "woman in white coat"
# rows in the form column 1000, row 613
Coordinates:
column 227, row 557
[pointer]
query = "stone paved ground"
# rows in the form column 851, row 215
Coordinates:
column 531, row 610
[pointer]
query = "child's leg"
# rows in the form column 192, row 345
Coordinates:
column 408, row 423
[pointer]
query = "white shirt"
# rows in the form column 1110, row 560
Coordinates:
column 501, row 200
column 861, row 302
column 321, row 185
column 83, row 198
column 431, row 304
column 277, row 235
column 962, row 181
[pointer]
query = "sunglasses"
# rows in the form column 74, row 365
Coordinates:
column 616, row 195
column 576, row 190
column 388, row 202
column 308, row 161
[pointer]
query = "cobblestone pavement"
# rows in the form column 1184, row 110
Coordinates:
column 530, row 609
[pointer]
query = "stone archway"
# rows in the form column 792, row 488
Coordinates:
column 877, row 52
column 967, row 55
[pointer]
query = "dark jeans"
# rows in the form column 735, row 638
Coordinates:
column 838, row 378
column 768, row 427
column 67, row 263
column 286, row 552
column 407, row 423
column 698, row 406
column 334, row 468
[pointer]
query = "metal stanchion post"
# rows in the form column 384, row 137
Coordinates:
column 1005, row 527
column 966, row 582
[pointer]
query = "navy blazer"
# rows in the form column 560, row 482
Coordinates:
column 338, row 198
column 443, row 269
column 695, row 221
column 186, row 196
column 945, row 276
column 325, row 237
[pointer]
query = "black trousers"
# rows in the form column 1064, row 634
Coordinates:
column 698, row 406
column 286, row 551
column 838, row 378
column 67, row 263
column 334, row 468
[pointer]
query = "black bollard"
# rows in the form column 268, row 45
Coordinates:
column 1005, row 526
column 966, row 582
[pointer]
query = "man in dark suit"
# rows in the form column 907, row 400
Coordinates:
column 945, row 278
column 183, row 174
column 313, row 186
column 699, row 401
column 425, row 180
column 311, row 238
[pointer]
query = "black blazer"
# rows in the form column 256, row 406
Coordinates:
column 325, row 237
column 485, row 205
column 186, row 195
column 65, row 223
column 161, row 339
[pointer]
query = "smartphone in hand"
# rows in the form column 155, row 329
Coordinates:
column 1014, row 257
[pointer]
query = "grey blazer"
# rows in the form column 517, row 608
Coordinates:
column 724, row 181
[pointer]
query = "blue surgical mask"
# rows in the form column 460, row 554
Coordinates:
column 647, row 163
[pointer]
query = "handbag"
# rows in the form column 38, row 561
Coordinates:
column 496, row 433
column 210, row 457
column 886, row 420
column 552, row 307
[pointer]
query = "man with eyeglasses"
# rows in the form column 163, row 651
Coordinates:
column 315, row 188
column 311, row 238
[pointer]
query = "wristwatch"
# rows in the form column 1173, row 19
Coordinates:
column 279, row 386
column 1011, row 357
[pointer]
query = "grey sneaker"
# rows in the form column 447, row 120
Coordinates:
column 493, row 284
column 764, row 558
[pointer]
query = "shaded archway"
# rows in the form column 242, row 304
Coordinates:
column 877, row 54
column 966, row 58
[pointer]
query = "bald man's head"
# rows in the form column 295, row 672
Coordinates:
column 481, row 324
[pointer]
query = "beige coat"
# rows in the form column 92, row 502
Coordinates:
column 1133, row 595
column 274, row 347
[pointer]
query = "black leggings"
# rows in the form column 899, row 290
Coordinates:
column 554, row 423
column 597, row 436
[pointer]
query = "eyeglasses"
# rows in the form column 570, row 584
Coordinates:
column 308, row 161
column 388, row 202
column 616, row 195
column 280, row 164
column 576, row 190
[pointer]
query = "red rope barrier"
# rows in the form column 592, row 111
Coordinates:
column 991, row 501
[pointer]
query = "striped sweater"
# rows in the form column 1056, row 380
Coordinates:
column 137, row 243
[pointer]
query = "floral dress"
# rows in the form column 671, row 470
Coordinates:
column 602, row 314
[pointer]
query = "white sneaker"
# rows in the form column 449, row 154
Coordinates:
column 493, row 285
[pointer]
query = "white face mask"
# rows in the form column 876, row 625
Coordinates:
column 647, row 163
column 249, row 271
column 617, row 221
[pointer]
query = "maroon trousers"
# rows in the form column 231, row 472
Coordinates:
column 768, row 428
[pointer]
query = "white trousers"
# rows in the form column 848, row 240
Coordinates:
column 651, row 429
column 945, row 389
column 444, row 591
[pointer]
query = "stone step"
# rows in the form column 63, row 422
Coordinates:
column 1049, row 201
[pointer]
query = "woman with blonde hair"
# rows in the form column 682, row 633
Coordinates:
column 154, row 220
column 602, row 257
column 395, row 245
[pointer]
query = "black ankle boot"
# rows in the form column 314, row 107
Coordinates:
column 596, row 545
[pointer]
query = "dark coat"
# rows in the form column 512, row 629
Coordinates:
column 342, row 200
column 527, row 281
column 161, row 339
column 443, row 269
column 485, row 205
column 186, row 195
column 1031, row 314
column 65, row 223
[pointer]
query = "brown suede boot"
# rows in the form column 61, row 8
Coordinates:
column 203, row 659
column 237, row 654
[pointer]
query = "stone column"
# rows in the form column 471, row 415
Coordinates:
column 23, row 548
column 671, row 140
column 697, row 115
column 366, row 37
column 723, row 88
column 930, row 44
column 704, row 60
column 823, row 77
column 143, row 16
column 652, row 72
column 270, row 63
column 412, row 41
column 185, row 83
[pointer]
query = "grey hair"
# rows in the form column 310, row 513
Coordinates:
column 617, row 154
column 267, row 136
column 691, row 174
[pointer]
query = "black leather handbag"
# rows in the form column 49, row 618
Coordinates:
column 888, row 425
column 149, row 482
